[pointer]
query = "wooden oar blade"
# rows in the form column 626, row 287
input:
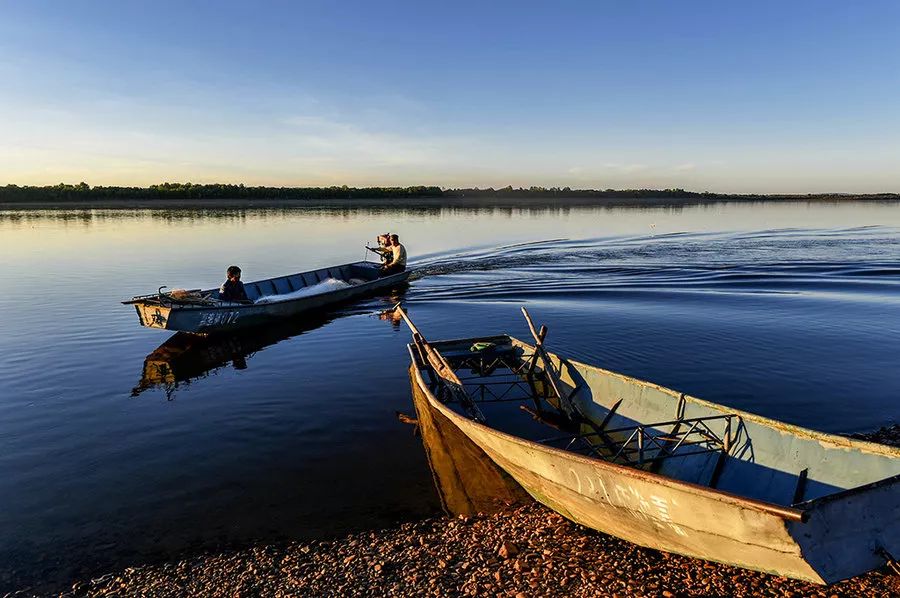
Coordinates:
column 442, row 369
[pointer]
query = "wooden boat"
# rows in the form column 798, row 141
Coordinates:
column 663, row 469
column 270, row 299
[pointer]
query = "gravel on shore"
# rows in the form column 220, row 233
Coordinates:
column 519, row 552
column 889, row 435
column 522, row 552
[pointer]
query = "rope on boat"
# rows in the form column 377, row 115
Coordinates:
column 185, row 297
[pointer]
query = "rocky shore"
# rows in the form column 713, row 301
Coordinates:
column 889, row 435
column 519, row 552
column 526, row 551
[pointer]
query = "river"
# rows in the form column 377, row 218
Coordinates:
column 120, row 445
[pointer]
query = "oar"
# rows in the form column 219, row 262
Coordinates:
column 539, row 351
column 566, row 404
column 440, row 366
column 366, row 255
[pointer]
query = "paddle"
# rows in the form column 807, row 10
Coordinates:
column 564, row 402
column 440, row 366
column 566, row 405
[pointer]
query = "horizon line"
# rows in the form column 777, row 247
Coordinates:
column 174, row 185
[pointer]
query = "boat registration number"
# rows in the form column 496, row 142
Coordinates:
column 219, row 318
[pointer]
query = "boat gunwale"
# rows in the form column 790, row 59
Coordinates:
column 835, row 439
column 143, row 299
column 799, row 512
column 815, row 502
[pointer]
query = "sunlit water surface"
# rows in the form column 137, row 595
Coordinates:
column 788, row 310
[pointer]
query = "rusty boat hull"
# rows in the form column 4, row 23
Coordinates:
column 775, row 497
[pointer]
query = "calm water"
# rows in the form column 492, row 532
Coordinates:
column 789, row 310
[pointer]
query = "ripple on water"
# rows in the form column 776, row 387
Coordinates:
column 294, row 434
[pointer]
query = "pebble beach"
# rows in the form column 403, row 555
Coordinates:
column 522, row 552
column 518, row 552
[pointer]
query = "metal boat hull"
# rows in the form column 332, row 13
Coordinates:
column 233, row 316
column 823, row 540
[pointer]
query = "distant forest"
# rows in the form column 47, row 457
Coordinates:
column 189, row 191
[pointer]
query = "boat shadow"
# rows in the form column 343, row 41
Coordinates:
column 736, row 470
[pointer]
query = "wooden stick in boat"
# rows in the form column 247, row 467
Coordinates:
column 534, row 332
column 142, row 298
column 548, row 365
column 133, row 301
column 442, row 368
column 532, row 361
column 566, row 405
column 551, row 419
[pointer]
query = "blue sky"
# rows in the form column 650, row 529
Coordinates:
column 720, row 96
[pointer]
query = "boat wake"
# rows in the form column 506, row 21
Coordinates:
column 863, row 260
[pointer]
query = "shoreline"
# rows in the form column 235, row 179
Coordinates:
column 430, row 203
column 519, row 551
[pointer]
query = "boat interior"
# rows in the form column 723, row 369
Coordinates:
column 354, row 274
column 525, row 391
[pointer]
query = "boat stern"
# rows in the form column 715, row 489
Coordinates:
column 153, row 315
column 851, row 532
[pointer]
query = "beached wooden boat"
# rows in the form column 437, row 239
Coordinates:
column 270, row 299
column 666, row 470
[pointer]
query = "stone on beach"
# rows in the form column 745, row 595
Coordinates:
column 527, row 551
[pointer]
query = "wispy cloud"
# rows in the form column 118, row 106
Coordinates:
column 357, row 145
column 625, row 168
column 315, row 146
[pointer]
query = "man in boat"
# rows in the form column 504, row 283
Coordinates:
column 397, row 262
column 383, row 249
column 233, row 289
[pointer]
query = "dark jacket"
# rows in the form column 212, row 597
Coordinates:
column 233, row 290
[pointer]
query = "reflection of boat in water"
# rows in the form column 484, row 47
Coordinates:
column 665, row 470
column 186, row 357
column 466, row 480
column 270, row 299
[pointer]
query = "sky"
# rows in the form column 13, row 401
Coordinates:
column 746, row 97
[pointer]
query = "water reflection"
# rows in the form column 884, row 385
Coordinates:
column 786, row 309
column 185, row 357
column 466, row 479
column 504, row 209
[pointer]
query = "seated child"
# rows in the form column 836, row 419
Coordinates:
column 233, row 289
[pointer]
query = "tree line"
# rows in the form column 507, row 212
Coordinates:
column 83, row 192
column 509, row 191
